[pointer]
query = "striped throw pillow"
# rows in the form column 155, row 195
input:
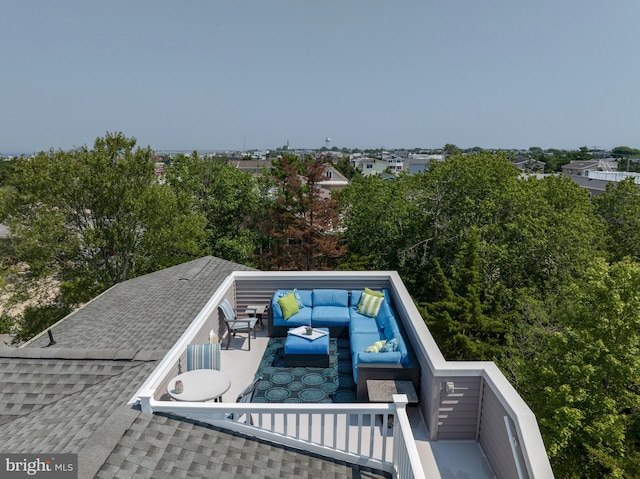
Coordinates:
column 370, row 302
column 376, row 347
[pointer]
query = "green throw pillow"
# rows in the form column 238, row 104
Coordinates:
column 370, row 302
column 375, row 347
column 289, row 305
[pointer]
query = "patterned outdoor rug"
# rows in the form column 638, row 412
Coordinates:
column 303, row 384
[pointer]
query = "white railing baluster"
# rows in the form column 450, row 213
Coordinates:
column 283, row 423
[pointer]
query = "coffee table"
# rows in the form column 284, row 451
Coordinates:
column 200, row 385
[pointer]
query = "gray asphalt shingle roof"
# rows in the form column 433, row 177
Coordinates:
column 72, row 397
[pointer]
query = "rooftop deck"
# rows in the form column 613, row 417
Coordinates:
column 447, row 459
column 481, row 429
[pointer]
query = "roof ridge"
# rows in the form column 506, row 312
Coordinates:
column 86, row 354
column 195, row 269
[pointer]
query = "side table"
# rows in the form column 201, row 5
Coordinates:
column 382, row 390
column 259, row 310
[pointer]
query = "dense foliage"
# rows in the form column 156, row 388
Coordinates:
column 531, row 273
column 99, row 216
column 303, row 221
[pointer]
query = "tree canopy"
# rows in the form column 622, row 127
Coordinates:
column 99, row 216
column 303, row 221
column 531, row 273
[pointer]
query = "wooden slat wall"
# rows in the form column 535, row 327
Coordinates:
column 260, row 291
column 458, row 411
column 494, row 438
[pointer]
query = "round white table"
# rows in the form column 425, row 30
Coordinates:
column 200, row 385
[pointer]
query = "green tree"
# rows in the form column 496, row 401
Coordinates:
column 451, row 150
column 99, row 216
column 35, row 319
column 345, row 167
column 7, row 169
column 459, row 321
column 624, row 152
column 619, row 207
column 375, row 220
column 230, row 200
column 582, row 381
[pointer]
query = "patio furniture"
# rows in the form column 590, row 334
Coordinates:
column 382, row 390
column 301, row 351
column 235, row 325
column 203, row 356
column 245, row 397
column 259, row 311
column 200, row 385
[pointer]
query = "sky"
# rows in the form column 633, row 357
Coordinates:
column 223, row 74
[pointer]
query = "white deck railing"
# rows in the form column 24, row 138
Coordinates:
column 356, row 433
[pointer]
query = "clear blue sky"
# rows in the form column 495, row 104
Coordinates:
column 234, row 74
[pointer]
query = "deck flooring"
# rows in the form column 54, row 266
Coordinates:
column 440, row 460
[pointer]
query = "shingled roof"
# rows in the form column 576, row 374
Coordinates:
column 71, row 397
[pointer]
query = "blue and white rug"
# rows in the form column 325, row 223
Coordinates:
column 304, row 384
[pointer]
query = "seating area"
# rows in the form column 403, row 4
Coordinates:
column 483, row 414
column 378, row 348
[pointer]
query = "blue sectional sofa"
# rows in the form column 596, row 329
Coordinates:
column 337, row 309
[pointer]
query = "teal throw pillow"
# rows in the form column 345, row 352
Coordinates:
column 298, row 298
column 390, row 346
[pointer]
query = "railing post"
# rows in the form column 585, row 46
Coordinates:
column 145, row 400
column 405, row 453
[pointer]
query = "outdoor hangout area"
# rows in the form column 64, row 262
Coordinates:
column 341, row 364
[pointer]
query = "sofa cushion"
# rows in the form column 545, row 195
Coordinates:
column 361, row 341
column 373, row 358
column 330, row 316
column 384, row 317
column 331, row 297
column 289, row 305
column 384, row 358
column 362, row 324
column 302, row 317
column 305, row 295
column 298, row 299
column 402, row 347
column 370, row 302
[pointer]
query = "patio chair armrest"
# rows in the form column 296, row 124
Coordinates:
column 241, row 322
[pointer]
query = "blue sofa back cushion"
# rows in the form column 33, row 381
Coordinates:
column 301, row 317
column 402, row 347
column 331, row 297
column 303, row 294
column 356, row 295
